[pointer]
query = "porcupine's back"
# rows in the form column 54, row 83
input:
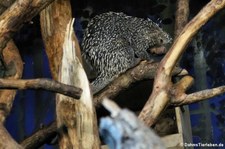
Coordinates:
column 103, row 32
column 113, row 42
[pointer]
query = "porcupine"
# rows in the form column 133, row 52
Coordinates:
column 114, row 42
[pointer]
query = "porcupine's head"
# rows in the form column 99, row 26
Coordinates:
column 151, row 37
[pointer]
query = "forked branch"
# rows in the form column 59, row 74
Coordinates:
column 161, row 95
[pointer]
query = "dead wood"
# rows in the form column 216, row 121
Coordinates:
column 184, row 99
column 13, row 60
column 16, row 15
column 46, row 84
column 181, row 16
column 78, row 118
column 4, row 4
column 145, row 70
column 40, row 137
column 161, row 96
column 6, row 140
column 54, row 20
column 15, row 68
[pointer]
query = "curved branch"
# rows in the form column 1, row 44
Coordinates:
column 160, row 97
column 46, row 84
column 144, row 70
column 187, row 34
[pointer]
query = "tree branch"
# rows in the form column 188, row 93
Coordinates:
column 181, row 16
column 77, row 117
column 5, row 4
column 46, row 84
column 53, row 22
column 14, row 17
column 144, row 70
column 40, row 137
column 185, row 99
column 160, row 97
column 187, row 34
column 6, row 140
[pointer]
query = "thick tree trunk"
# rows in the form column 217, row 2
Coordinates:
column 54, row 20
column 76, row 120
column 15, row 69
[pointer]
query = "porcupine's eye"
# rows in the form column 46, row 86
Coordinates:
column 160, row 40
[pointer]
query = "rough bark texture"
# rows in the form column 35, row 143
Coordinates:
column 54, row 20
column 161, row 95
column 14, row 17
column 11, row 21
column 76, row 120
column 45, row 84
column 6, row 140
column 15, row 69
column 4, row 4
column 184, row 99
column 144, row 70
column 40, row 137
column 181, row 17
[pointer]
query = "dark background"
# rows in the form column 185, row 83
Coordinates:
column 204, row 59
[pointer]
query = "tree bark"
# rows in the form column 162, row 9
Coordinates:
column 144, row 70
column 54, row 20
column 6, row 140
column 76, row 120
column 11, row 21
column 181, row 17
column 5, row 4
column 40, row 137
column 14, row 17
column 15, row 65
column 15, row 69
column 161, row 95
column 45, row 84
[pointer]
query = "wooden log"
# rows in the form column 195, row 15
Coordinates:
column 76, row 120
column 14, row 17
column 54, row 20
